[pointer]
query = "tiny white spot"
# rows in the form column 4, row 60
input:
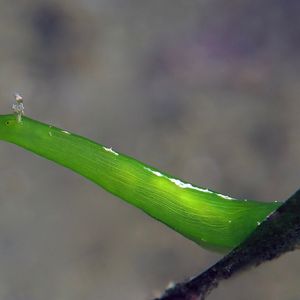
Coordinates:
column 18, row 97
column 170, row 285
column 245, row 200
column 229, row 221
column 188, row 186
column 275, row 201
column 258, row 223
column 110, row 150
column 50, row 133
column 154, row 172
column 225, row 197
column 66, row 132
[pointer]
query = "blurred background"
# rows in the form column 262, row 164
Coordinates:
column 205, row 90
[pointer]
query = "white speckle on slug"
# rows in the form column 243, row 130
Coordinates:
column 154, row 172
column 66, row 132
column 184, row 185
column 110, row 150
column 49, row 132
column 225, row 197
column 188, row 186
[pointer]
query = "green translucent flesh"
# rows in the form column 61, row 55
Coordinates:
column 210, row 219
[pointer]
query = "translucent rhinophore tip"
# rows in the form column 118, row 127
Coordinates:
column 18, row 107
